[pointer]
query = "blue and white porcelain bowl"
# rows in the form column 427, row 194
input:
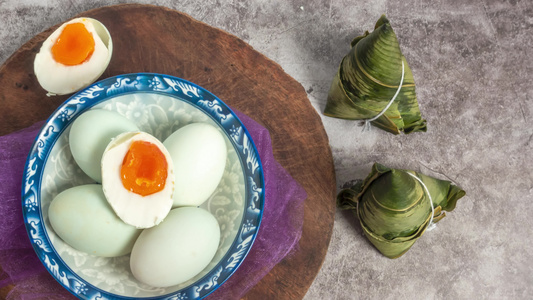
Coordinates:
column 158, row 104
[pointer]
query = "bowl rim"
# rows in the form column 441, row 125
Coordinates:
column 132, row 83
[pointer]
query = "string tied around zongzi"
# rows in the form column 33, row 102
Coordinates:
column 431, row 225
column 367, row 124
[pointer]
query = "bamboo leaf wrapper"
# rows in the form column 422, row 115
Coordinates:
column 394, row 209
column 367, row 79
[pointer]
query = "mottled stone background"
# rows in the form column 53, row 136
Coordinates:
column 472, row 63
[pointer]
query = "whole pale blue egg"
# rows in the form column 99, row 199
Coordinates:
column 90, row 134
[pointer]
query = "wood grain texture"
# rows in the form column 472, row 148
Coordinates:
column 155, row 39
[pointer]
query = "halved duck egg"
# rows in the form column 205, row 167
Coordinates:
column 73, row 56
column 138, row 178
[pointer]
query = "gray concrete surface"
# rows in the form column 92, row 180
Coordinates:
column 472, row 65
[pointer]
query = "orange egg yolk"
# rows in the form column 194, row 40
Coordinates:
column 144, row 169
column 74, row 46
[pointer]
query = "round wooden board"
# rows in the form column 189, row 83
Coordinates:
column 156, row 39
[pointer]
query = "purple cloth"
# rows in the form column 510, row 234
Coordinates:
column 278, row 236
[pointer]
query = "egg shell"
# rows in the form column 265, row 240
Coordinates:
column 59, row 79
column 83, row 219
column 177, row 249
column 199, row 154
column 90, row 134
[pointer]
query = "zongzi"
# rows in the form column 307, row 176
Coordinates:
column 395, row 207
column 368, row 78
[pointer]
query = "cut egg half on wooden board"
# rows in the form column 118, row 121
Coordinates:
column 73, row 56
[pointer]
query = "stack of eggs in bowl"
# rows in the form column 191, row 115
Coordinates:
column 141, row 180
column 140, row 185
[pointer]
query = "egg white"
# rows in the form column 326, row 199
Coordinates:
column 134, row 209
column 59, row 79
